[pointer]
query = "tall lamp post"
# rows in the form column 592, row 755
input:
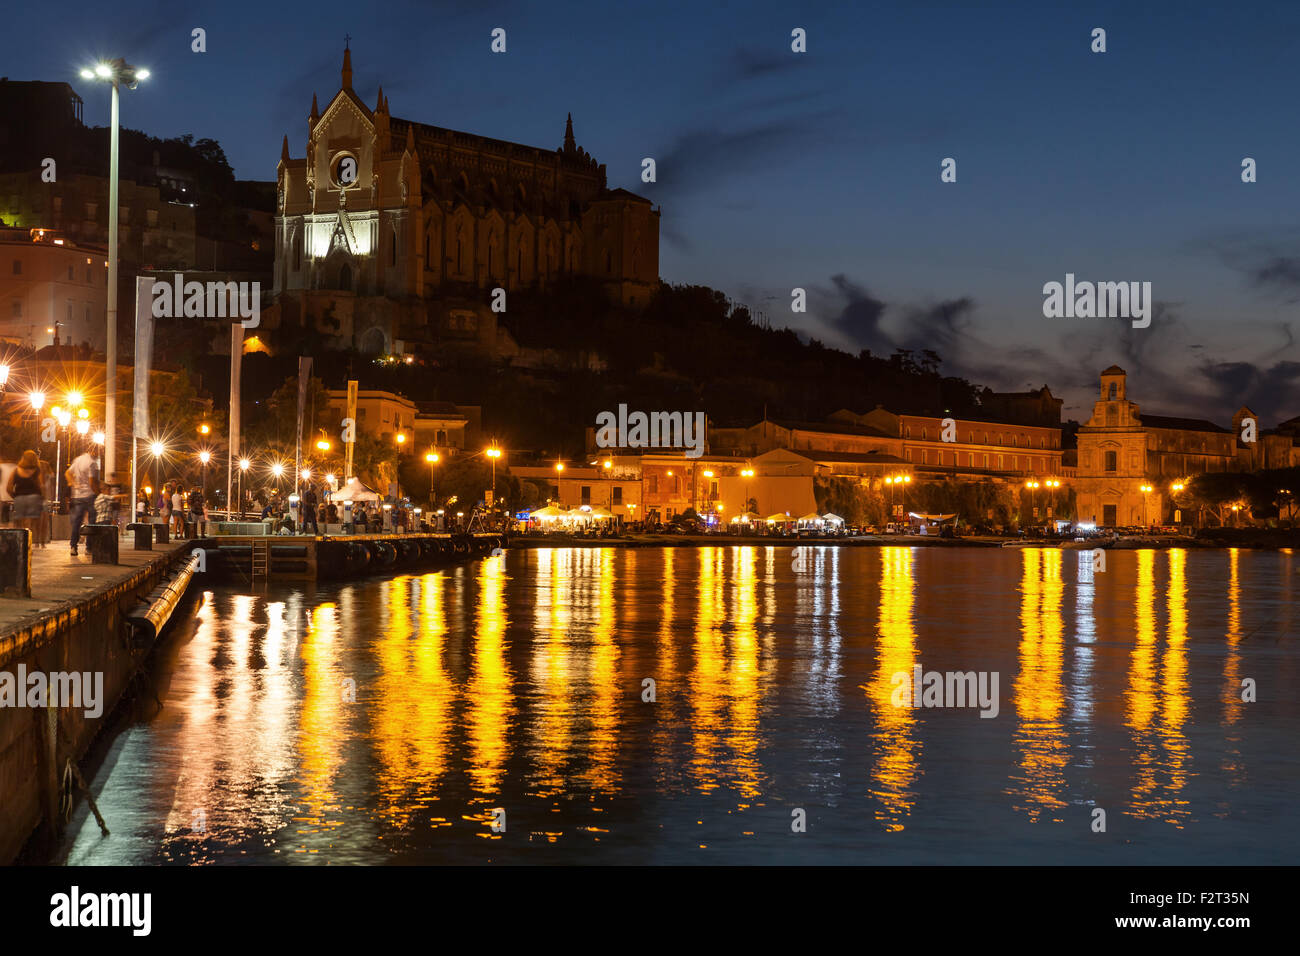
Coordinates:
column 204, row 458
column 157, row 449
column 494, row 453
column 116, row 72
column 1146, row 497
column 244, row 465
column 432, row 459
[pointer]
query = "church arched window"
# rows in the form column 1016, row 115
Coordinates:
column 393, row 257
column 297, row 250
column 345, row 277
column 1112, row 392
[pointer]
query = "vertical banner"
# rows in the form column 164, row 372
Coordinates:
column 140, row 379
column 304, row 376
column 143, row 354
column 350, row 429
column 233, row 439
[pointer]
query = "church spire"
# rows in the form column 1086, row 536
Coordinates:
column 284, row 149
column 379, row 103
column 347, row 68
column 569, row 144
column 315, row 110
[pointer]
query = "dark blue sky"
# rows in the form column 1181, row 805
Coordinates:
column 821, row 170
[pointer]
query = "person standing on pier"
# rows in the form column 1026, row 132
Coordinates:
column 309, row 509
column 83, row 485
column 29, row 500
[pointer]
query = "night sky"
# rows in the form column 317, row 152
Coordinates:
column 821, row 170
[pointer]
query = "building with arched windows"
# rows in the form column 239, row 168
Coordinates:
column 392, row 233
column 1123, row 451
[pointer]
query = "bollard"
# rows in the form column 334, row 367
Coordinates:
column 160, row 533
column 15, row 562
column 143, row 535
column 101, row 541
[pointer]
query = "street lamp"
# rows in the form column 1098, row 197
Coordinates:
column 37, row 400
column 157, row 449
column 244, row 465
column 432, row 459
column 1146, row 491
column 116, row 72
column 204, row 458
column 494, row 453
column 4, row 376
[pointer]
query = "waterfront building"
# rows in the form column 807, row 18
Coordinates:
column 52, row 289
column 441, row 427
column 1128, row 460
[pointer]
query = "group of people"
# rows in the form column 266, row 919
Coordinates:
column 32, row 489
column 176, row 507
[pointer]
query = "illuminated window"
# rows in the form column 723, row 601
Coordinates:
column 1112, row 461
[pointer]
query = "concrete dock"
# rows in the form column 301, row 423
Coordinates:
column 74, row 623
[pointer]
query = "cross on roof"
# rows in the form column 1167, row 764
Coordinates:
column 347, row 38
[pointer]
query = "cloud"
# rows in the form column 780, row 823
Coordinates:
column 1268, row 263
column 747, row 63
column 1171, row 369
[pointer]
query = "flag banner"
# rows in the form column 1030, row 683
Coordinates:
column 143, row 354
column 304, row 376
column 233, row 423
column 236, row 366
column 349, row 431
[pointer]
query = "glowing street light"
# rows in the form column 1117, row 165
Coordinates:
column 75, row 399
column 244, row 465
column 83, row 427
column 4, row 376
column 494, row 453
column 157, row 448
column 97, row 438
column 323, row 445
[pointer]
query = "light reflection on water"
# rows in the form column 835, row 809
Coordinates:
column 519, row 683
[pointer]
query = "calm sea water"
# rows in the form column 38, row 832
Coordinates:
column 517, row 684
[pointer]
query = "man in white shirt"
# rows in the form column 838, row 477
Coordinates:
column 178, row 511
column 83, row 484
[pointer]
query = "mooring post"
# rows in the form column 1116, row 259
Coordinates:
column 15, row 562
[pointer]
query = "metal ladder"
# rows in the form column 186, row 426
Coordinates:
column 261, row 559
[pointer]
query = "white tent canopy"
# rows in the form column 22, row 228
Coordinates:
column 831, row 518
column 354, row 490
column 780, row 518
column 931, row 518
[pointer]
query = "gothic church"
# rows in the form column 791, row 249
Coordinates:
column 392, row 234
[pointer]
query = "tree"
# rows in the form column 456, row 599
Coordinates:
column 467, row 477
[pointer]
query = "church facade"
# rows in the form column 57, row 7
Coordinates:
column 1129, row 462
column 393, row 234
